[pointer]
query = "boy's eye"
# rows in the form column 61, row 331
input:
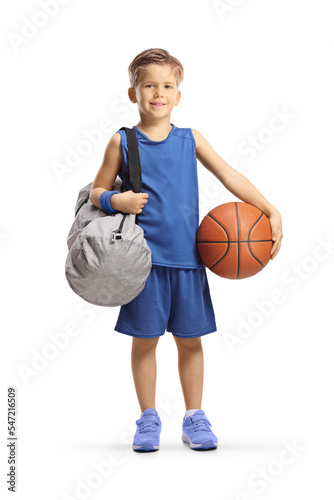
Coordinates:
column 151, row 85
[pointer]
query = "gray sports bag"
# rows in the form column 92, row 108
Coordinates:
column 109, row 259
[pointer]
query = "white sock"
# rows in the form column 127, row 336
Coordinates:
column 189, row 413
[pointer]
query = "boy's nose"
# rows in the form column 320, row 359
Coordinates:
column 158, row 92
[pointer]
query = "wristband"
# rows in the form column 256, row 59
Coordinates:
column 104, row 200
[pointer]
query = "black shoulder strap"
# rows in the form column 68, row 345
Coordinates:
column 134, row 160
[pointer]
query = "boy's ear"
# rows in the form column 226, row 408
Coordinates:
column 132, row 95
column 178, row 97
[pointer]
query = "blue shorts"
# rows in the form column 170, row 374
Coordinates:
column 174, row 299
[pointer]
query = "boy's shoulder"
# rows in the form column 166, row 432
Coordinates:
column 185, row 133
column 189, row 132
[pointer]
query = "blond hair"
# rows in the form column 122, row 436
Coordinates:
column 154, row 56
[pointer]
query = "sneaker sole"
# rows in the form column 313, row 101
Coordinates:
column 145, row 448
column 207, row 445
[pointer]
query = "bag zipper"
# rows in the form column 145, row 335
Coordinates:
column 117, row 233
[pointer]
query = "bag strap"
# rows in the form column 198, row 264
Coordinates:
column 134, row 160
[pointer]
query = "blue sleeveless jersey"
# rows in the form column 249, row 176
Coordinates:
column 170, row 218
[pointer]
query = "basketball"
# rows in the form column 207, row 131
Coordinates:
column 234, row 240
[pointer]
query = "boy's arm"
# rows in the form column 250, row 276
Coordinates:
column 240, row 186
column 107, row 173
column 127, row 202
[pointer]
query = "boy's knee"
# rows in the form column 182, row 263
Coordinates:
column 188, row 343
column 144, row 344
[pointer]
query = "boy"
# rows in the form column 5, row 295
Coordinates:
column 176, row 296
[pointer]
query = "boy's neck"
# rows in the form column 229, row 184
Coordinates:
column 156, row 130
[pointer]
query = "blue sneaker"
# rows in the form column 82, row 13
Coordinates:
column 147, row 436
column 197, row 432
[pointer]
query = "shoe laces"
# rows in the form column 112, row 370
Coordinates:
column 202, row 424
column 147, row 426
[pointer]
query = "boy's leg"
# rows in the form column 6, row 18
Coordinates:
column 191, row 370
column 144, row 370
column 195, row 426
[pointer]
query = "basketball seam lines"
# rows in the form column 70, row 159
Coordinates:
column 248, row 241
column 228, row 241
column 232, row 241
column 236, row 210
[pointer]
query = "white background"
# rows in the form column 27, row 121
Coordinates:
column 245, row 63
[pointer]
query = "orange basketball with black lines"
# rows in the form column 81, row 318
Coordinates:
column 234, row 240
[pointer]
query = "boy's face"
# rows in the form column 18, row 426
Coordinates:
column 156, row 93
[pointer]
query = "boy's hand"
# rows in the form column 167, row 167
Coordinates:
column 276, row 232
column 129, row 202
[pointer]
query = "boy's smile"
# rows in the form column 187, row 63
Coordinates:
column 156, row 93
